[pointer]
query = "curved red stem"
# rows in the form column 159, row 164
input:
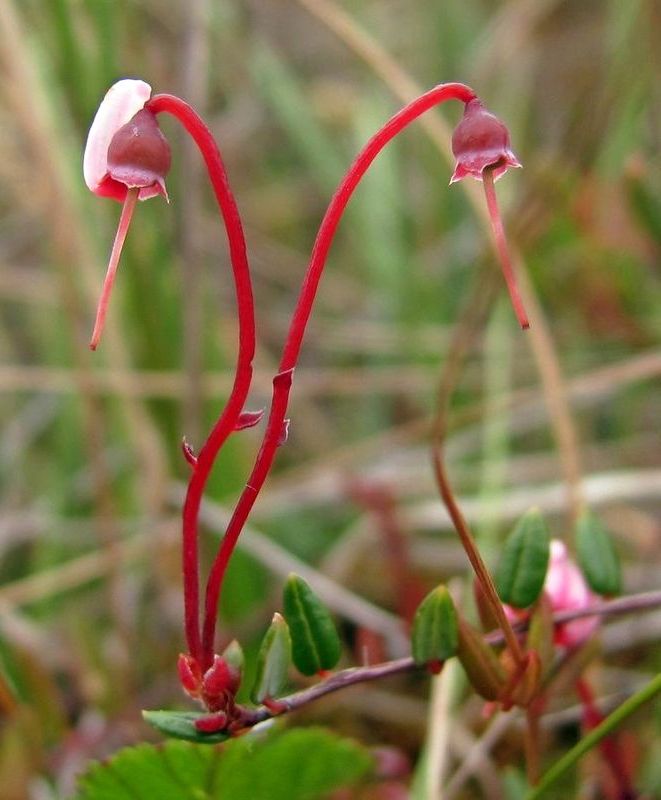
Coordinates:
column 282, row 381
column 228, row 419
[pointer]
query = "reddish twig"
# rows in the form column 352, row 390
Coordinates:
column 350, row 677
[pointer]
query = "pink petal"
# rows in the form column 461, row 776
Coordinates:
column 122, row 102
column 568, row 591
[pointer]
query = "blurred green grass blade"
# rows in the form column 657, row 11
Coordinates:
column 107, row 44
column 293, row 110
column 73, row 67
column 378, row 214
column 596, row 735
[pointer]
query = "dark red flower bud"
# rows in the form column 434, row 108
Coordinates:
column 139, row 155
column 481, row 140
column 220, row 683
column 190, row 676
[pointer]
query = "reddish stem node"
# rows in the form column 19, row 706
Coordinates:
column 120, row 237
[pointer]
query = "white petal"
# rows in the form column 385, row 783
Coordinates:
column 122, row 101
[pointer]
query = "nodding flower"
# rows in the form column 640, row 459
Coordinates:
column 481, row 142
column 126, row 158
column 481, row 147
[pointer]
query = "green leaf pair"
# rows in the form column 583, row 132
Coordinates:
column 308, row 637
column 522, row 569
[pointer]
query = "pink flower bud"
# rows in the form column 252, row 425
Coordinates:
column 479, row 141
column 568, row 591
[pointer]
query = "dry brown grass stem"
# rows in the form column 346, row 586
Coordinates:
column 167, row 384
column 79, row 571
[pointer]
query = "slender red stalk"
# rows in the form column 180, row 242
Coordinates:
column 120, row 237
column 503, row 251
column 609, row 746
column 282, row 382
column 228, row 420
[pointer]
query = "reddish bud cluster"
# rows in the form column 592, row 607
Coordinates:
column 216, row 688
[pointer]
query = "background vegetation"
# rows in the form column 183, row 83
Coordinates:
column 91, row 470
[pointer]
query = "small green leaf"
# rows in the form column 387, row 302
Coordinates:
column 434, row 636
column 181, row 725
column 315, row 645
column 597, row 556
column 522, row 569
column 273, row 661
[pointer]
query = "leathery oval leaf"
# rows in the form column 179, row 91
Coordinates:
column 434, row 635
column 273, row 661
column 523, row 564
column 597, row 556
column 315, row 644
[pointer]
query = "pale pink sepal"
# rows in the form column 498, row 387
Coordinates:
column 122, row 102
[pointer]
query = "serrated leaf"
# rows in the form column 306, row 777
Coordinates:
column 434, row 635
column 597, row 556
column 523, row 564
column 302, row 764
column 273, row 661
column 181, row 725
column 315, row 645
